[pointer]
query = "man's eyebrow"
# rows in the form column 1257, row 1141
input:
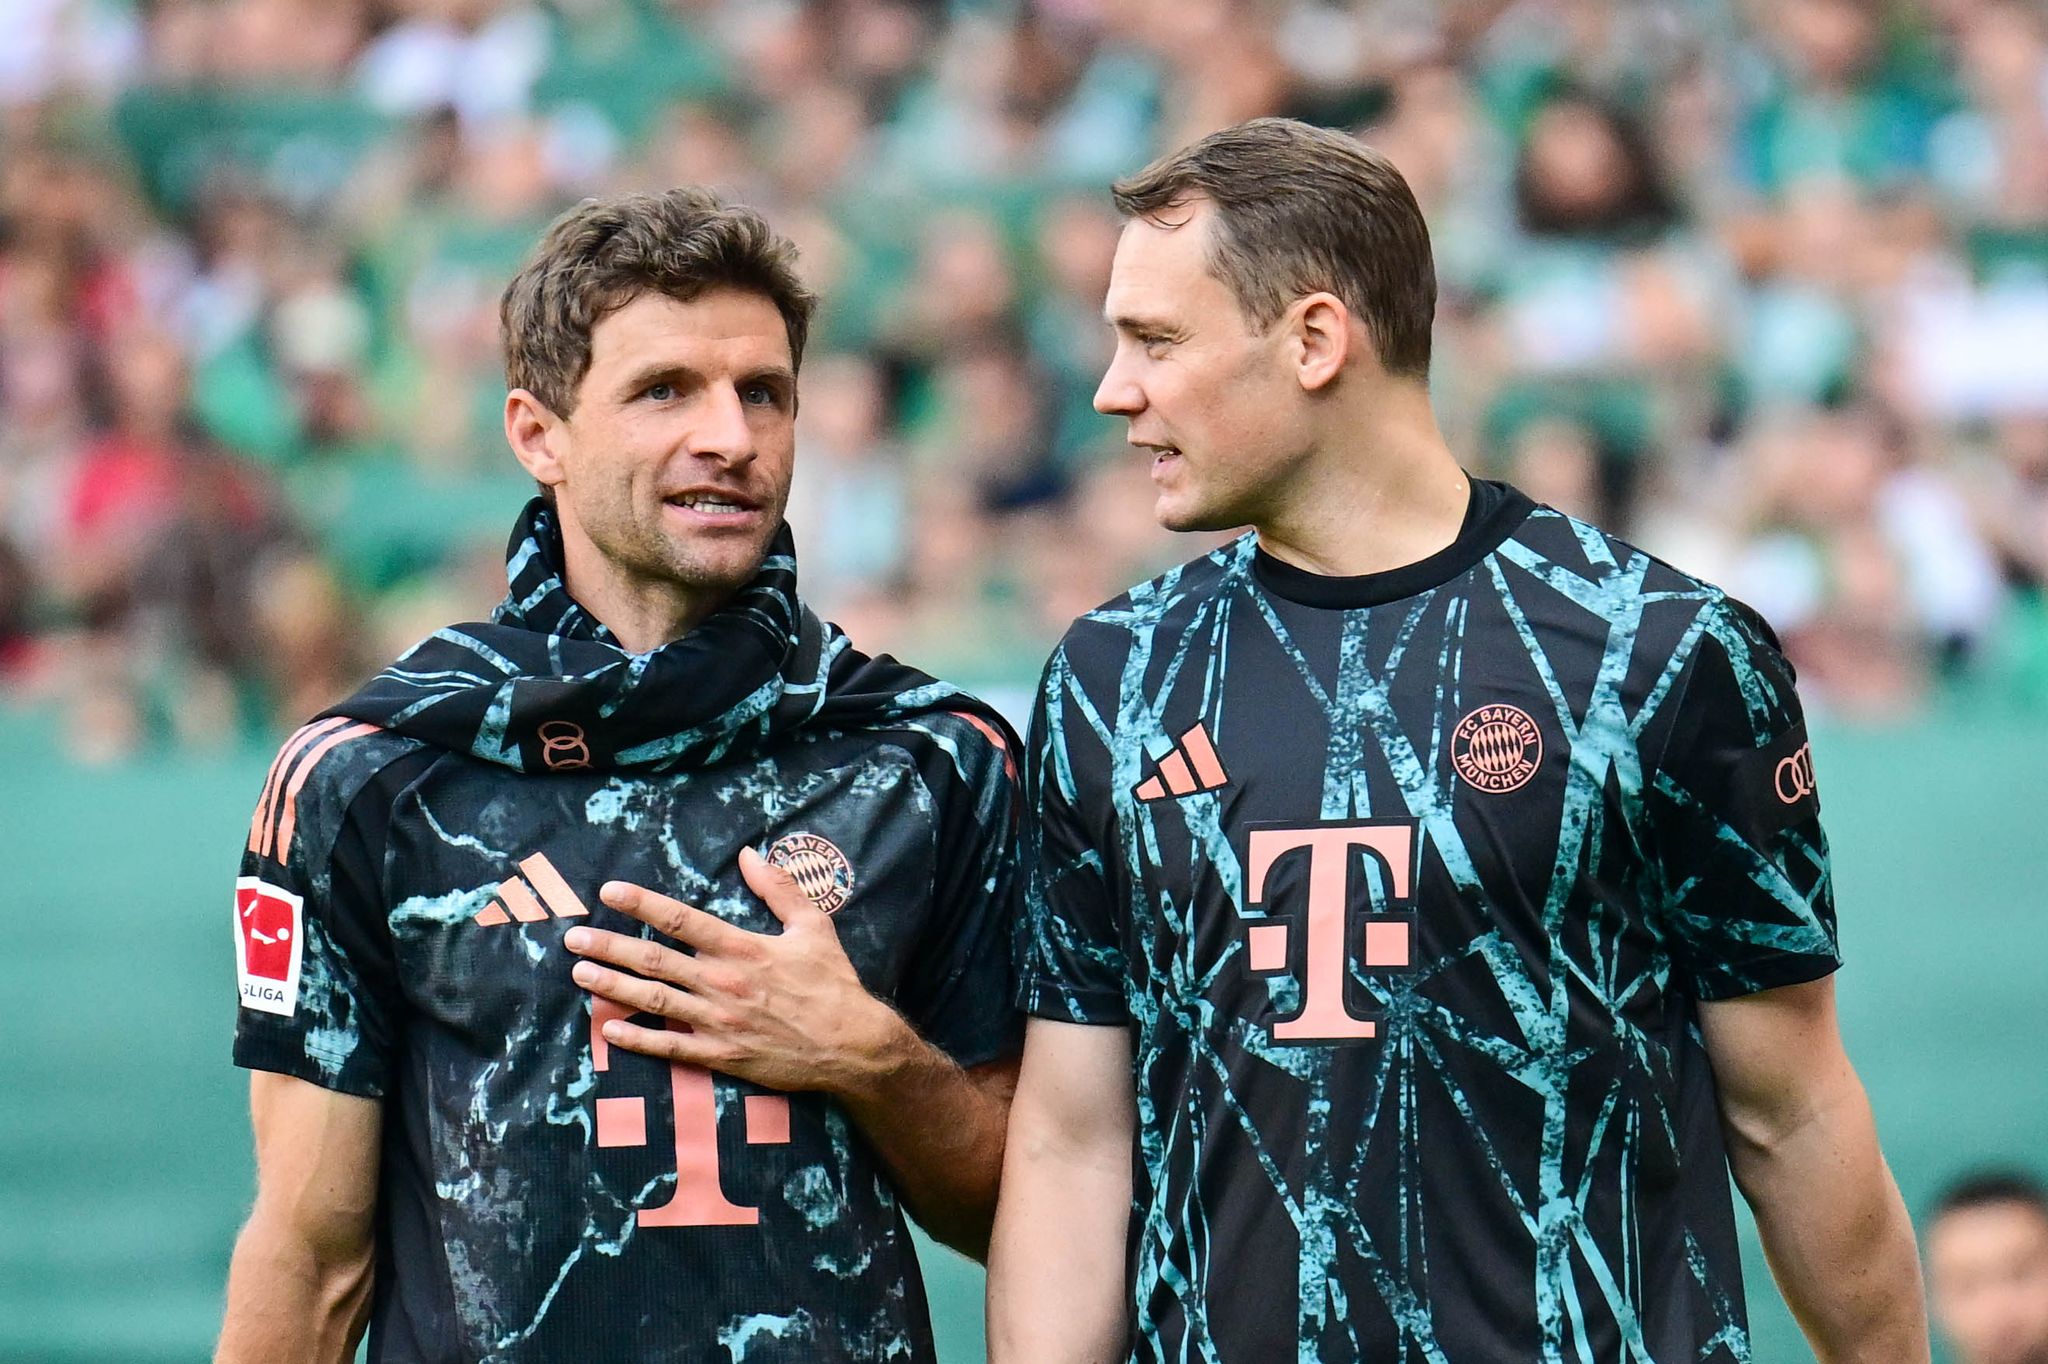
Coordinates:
column 1126, row 322
column 686, row 376
column 660, row 371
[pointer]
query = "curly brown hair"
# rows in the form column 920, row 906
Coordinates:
column 602, row 254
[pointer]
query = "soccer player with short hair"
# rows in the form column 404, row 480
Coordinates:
column 1430, row 905
column 1987, row 1268
column 453, row 1141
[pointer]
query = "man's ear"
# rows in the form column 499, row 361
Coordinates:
column 536, row 437
column 1320, row 327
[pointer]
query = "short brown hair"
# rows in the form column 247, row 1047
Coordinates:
column 1299, row 210
column 604, row 253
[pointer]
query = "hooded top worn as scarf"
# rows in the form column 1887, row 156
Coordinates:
column 755, row 671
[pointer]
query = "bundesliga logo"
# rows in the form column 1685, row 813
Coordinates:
column 269, row 945
column 1497, row 748
column 818, row 866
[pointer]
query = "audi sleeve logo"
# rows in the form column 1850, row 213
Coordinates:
column 1795, row 776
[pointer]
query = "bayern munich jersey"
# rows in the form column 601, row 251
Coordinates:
column 1407, row 886
column 543, row 1196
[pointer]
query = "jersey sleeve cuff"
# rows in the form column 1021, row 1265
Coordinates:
column 986, row 1046
column 282, row 1057
column 1769, row 975
column 1042, row 997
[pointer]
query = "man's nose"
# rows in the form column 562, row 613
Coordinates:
column 1118, row 395
column 719, row 429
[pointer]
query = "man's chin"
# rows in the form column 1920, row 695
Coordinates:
column 1177, row 514
column 706, row 567
column 718, row 568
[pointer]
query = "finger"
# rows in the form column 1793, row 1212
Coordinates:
column 684, row 923
column 689, row 1048
column 640, row 995
column 642, row 956
column 784, row 897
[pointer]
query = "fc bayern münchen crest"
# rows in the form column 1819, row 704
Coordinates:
column 1497, row 748
column 818, row 866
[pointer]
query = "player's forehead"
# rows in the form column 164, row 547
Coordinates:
column 1161, row 269
column 721, row 329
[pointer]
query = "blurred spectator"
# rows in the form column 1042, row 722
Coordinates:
column 479, row 59
column 850, row 502
column 1987, row 1269
column 19, row 648
column 1557, row 461
column 1871, row 568
column 1766, row 285
column 1991, row 153
column 1840, row 101
column 156, row 557
column 1076, row 240
column 1605, row 304
column 125, row 488
column 48, row 46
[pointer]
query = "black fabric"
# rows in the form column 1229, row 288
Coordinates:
column 428, row 864
column 1492, row 513
column 1545, row 787
column 738, row 684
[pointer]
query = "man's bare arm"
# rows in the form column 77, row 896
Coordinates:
column 1804, row 1152
column 1057, row 1291
column 788, row 1011
column 939, row 1131
column 299, row 1285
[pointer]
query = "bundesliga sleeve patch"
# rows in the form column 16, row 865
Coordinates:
column 268, row 945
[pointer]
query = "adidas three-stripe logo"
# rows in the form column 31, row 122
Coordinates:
column 1192, row 767
column 529, row 899
column 277, row 814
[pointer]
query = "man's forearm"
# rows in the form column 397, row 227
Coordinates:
column 937, row 1129
column 1836, row 1233
column 1056, row 1292
column 287, row 1299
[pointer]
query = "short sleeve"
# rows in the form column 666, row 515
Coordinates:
column 313, row 956
column 957, row 989
column 1071, row 964
column 1748, row 898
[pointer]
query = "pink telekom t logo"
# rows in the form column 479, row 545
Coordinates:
column 1387, row 940
column 699, row 1201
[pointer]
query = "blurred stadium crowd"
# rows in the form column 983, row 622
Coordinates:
column 1760, row 283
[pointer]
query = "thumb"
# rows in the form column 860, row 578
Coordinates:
column 784, row 897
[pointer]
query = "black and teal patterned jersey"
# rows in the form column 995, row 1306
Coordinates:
column 1407, row 887
column 410, row 873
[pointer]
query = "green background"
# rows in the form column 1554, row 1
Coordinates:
column 124, row 1151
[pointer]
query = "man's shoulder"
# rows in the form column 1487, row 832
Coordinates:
column 1163, row 604
column 1619, row 580
column 1561, row 541
column 966, row 739
column 1680, row 626
column 319, row 773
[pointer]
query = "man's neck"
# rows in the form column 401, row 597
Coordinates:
column 1388, row 495
column 642, row 613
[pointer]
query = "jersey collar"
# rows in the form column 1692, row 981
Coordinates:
column 1493, row 513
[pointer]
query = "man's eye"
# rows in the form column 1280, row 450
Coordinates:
column 661, row 393
column 760, row 395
